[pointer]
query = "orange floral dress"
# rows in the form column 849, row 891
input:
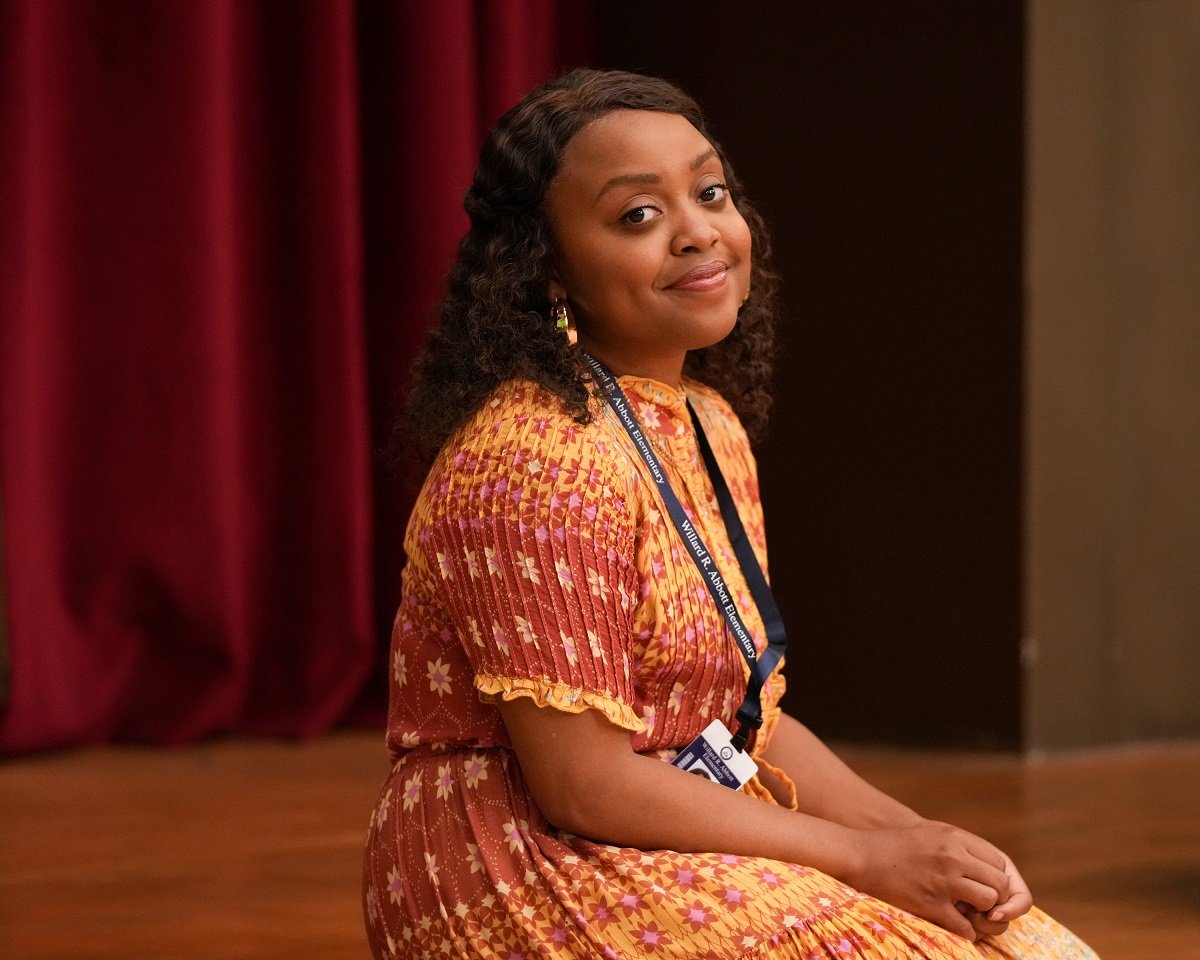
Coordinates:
column 541, row 565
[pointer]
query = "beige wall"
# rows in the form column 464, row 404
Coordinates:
column 1112, row 508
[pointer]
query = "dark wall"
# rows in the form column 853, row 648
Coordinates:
column 883, row 142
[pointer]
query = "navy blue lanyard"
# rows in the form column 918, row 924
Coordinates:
column 749, row 714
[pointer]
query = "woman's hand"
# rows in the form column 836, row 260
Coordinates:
column 995, row 921
column 930, row 869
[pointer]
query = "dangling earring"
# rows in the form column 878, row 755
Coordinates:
column 562, row 320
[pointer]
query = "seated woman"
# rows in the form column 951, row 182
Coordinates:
column 561, row 640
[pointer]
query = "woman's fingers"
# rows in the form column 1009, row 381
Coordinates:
column 974, row 895
column 985, row 875
column 946, row 875
column 983, row 926
column 985, row 852
column 953, row 919
column 990, row 868
column 1015, row 906
column 1019, row 899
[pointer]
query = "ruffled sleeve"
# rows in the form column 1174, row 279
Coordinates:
column 533, row 546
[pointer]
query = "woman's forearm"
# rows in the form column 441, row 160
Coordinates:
column 826, row 787
column 657, row 806
column 613, row 795
column 586, row 778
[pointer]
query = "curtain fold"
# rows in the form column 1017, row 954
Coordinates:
column 224, row 227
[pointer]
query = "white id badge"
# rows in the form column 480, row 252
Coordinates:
column 713, row 755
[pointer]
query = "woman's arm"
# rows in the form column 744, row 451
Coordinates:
column 587, row 779
column 826, row 787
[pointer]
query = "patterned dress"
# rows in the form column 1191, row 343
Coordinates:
column 541, row 565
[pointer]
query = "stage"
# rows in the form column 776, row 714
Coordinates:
column 250, row 849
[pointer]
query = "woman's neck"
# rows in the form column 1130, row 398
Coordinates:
column 666, row 369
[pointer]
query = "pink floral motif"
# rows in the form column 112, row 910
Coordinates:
column 733, row 896
column 513, row 835
column 629, row 902
column 539, row 562
column 412, row 791
column 472, row 558
column 439, row 677
column 603, row 914
column 696, row 916
column 647, row 415
column 445, row 782
column 598, row 585
column 475, row 769
column 652, row 936
column 493, row 564
column 395, row 885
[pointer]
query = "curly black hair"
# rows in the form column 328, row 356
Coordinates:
column 494, row 323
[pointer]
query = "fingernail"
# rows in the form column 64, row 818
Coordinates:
column 996, row 916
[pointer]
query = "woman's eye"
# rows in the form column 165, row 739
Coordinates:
column 713, row 193
column 638, row 215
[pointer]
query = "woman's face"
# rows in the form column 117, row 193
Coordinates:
column 652, row 255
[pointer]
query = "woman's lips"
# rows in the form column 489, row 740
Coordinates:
column 707, row 276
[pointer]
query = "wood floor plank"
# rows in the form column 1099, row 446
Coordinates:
column 248, row 849
column 1109, row 841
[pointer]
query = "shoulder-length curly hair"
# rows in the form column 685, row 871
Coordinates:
column 494, row 324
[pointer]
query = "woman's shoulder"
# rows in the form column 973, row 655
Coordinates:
column 517, row 408
column 518, row 398
column 523, row 425
column 521, row 460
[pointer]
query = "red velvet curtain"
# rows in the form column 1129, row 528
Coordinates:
column 223, row 227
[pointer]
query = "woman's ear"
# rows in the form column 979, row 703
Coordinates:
column 555, row 289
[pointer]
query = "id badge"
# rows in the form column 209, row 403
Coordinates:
column 712, row 755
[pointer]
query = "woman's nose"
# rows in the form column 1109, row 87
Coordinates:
column 695, row 231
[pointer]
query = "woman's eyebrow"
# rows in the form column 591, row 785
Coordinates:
column 627, row 178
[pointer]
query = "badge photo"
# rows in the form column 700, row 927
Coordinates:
column 713, row 756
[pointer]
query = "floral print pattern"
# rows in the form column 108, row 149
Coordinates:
column 541, row 565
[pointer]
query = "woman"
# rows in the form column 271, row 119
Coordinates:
column 558, row 642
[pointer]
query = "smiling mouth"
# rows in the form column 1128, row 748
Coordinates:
column 707, row 276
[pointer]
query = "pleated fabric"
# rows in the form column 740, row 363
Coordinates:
column 541, row 565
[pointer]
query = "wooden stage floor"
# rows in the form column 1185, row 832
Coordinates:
column 249, row 849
